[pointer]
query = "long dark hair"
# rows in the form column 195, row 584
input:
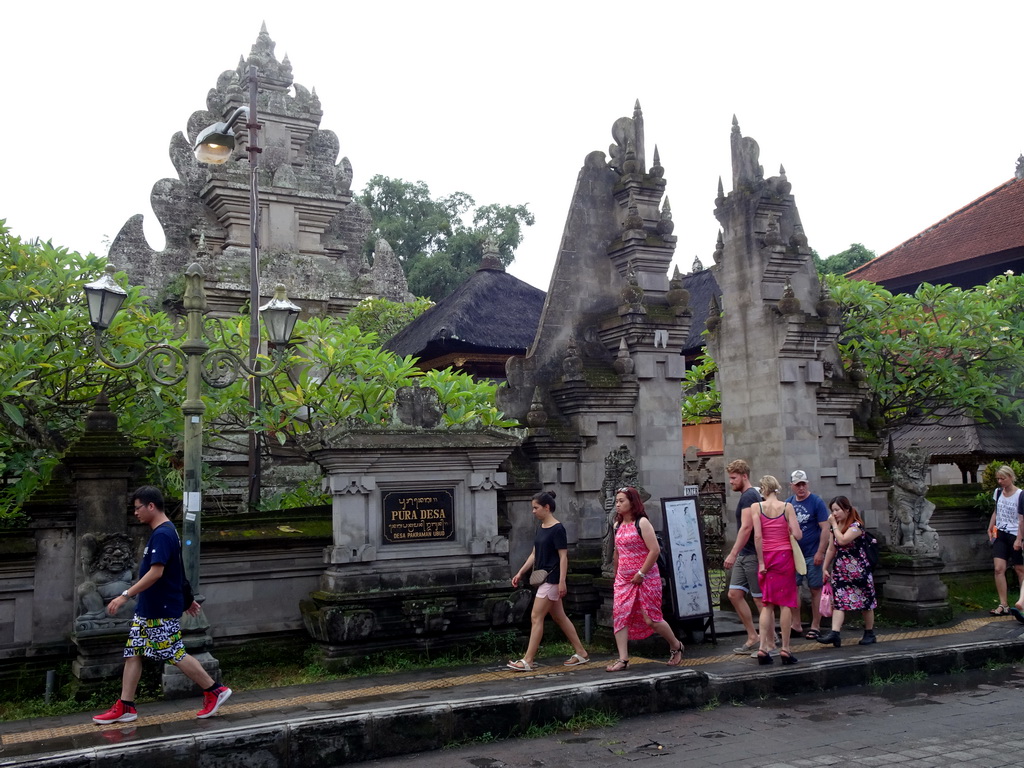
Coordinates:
column 853, row 516
column 635, row 504
column 545, row 499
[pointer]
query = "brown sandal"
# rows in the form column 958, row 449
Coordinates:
column 675, row 658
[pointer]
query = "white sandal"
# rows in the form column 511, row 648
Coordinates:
column 521, row 666
column 575, row 660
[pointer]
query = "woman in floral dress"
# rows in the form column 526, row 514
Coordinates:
column 636, row 609
column 847, row 568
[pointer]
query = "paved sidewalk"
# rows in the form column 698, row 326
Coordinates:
column 359, row 719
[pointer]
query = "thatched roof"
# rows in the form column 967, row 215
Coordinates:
column 492, row 312
column 702, row 287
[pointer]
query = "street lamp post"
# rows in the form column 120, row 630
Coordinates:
column 214, row 146
column 194, row 361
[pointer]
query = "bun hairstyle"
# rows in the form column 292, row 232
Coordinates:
column 545, row 499
column 636, row 504
column 769, row 484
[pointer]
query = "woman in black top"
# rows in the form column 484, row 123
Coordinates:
column 550, row 553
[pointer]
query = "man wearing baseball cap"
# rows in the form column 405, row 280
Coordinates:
column 812, row 514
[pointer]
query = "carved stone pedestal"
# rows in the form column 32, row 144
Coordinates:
column 100, row 654
column 417, row 560
column 432, row 605
column 914, row 592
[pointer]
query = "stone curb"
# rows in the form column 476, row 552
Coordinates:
column 327, row 740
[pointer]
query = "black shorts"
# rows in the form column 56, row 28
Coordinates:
column 1002, row 548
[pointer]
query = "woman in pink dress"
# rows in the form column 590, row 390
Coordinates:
column 636, row 607
column 774, row 522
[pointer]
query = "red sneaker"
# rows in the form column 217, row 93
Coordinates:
column 119, row 713
column 212, row 701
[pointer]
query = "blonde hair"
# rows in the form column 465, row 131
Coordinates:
column 1007, row 471
column 769, row 484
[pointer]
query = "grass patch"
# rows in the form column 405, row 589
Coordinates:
column 711, row 704
column 877, row 681
column 582, row 721
column 483, row 738
column 970, row 593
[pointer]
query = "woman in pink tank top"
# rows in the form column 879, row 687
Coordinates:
column 774, row 522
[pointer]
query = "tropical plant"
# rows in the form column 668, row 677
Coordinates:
column 936, row 354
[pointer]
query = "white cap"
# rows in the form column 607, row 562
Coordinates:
column 798, row 477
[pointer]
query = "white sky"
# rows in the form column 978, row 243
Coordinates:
column 887, row 115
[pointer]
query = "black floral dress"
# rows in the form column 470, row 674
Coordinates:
column 853, row 586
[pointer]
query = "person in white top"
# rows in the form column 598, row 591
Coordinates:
column 1004, row 534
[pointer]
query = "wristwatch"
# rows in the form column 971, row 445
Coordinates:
column 125, row 593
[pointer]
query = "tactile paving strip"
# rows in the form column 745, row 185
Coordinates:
column 968, row 625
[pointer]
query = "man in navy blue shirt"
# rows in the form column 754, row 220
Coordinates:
column 156, row 626
column 812, row 514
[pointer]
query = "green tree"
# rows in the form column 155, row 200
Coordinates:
column 842, row 262
column 701, row 398
column 385, row 317
column 927, row 357
column 345, row 377
column 938, row 352
column 437, row 248
column 49, row 378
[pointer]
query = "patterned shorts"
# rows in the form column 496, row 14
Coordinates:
column 156, row 638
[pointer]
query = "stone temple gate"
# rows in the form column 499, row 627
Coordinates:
column 312, row 233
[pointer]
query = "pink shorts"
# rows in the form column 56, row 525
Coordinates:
column 550, row 591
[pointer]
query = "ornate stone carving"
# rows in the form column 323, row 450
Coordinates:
column 632, row 295
column 418, row 407
column 107, row 564
column 572, row 365
column 789, row 304
column 633, row 218
column 620, row 470
column 537, row 417
column 677, row 296
column 747, row 172
column 665, row 223
column 827, row 307
column 911, row 512
column 624, row 363
column 773, row 236
column 719, row 249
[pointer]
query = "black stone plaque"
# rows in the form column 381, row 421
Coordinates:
column 412, row 517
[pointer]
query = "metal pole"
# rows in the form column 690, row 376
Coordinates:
column 253, row 148
column 192, row 409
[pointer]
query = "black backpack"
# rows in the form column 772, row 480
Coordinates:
column 869, row 541
column 663, row 562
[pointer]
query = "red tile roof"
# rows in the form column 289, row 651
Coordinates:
column 988, row 225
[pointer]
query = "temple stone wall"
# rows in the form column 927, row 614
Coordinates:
column 787, row 402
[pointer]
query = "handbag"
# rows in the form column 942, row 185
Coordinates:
column 798, row 556
column 538, row 577
column 825, row 603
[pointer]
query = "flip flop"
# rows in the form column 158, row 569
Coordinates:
column 575, row 660
column 521, row 666
column 1017, row 614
